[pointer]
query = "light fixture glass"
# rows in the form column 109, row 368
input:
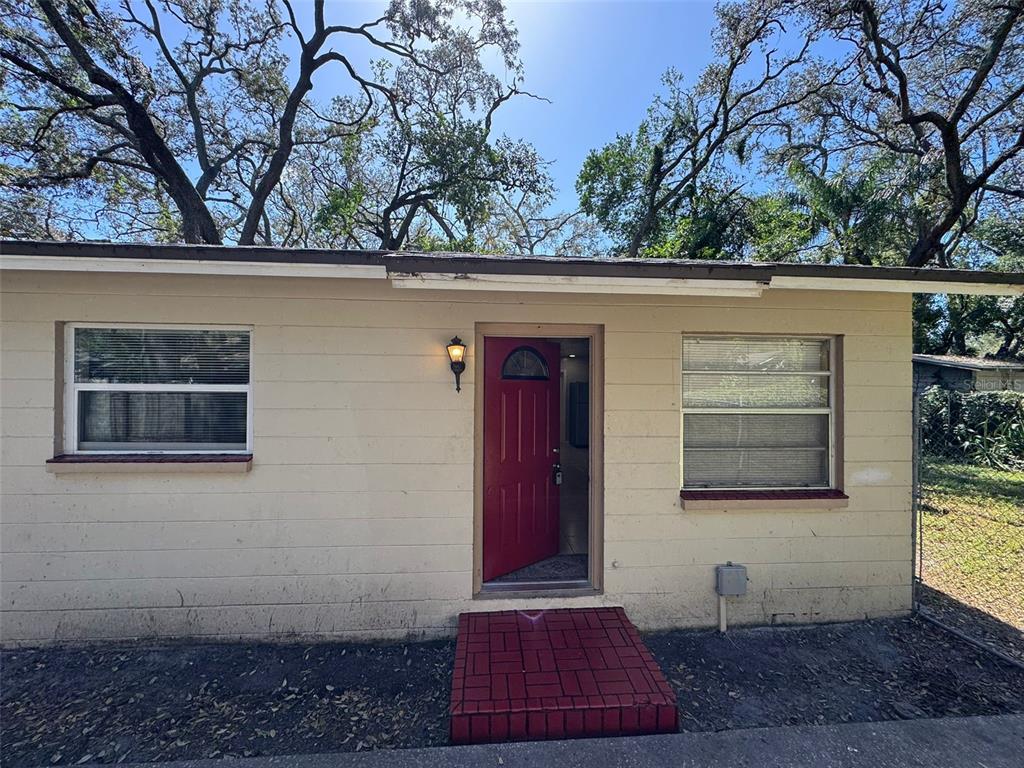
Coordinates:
column 456, row 350
column 457, row 354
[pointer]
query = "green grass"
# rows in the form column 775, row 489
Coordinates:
column 973, row 536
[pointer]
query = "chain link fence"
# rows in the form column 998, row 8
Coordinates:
column 969, row 504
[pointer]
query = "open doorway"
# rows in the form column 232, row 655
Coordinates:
column 537, row 467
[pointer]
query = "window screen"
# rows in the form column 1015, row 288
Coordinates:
column 757, row 412
column 159, row 390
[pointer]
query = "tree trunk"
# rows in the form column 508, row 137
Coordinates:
column 924, row 250
column 642, row 231
column 308, row 64
column 197, row 223
column 1011, row 345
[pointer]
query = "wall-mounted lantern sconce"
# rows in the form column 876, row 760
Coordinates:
column 457, row 354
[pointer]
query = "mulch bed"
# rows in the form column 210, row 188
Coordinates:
column 857, row 672
column 146, row 703
column 143, row 702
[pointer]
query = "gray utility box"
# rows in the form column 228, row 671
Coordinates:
column 731, row 580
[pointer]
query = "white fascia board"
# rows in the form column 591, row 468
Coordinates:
column 196, row 267
column 894, row 286
column 578, row 284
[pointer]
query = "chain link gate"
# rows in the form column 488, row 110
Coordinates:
column 968, row 501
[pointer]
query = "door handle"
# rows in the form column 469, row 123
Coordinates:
column 556, row 474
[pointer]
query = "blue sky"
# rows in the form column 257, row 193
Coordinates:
column 599, row 63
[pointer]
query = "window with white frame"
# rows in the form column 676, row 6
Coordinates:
column 757, row 412
column 157, row 390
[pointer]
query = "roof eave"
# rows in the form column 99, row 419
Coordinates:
column 489, row 272
column 966, row 366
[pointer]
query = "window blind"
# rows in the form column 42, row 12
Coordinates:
column 754, row 354
column 144, row 356
column 160, row 390
column 731, row 390
column 756, row 412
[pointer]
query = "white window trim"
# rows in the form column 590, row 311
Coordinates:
column 830, row 411
column 71, row 389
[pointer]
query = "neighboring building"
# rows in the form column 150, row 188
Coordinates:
column 255, row 442
column 967, row 373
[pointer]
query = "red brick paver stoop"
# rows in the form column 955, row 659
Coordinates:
column 557, row 674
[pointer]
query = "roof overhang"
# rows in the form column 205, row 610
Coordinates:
column 969, row 365
column 663, row 286
column 908, row 285
column 478, row 272
column 190, row 267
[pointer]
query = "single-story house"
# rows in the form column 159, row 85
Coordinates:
column 226, row 442
column 967, row 374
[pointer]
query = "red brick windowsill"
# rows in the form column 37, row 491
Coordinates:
column 147, row 458
column 149, row 462
column 811, row 498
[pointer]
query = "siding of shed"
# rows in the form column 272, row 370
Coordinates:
column 357, row 518
column 929, row 375
column 995, row 381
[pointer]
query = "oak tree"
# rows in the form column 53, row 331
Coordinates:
column 196, row 119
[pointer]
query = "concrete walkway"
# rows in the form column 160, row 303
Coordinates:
column 973, row 742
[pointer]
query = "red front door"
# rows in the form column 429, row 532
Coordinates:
column 521, row 430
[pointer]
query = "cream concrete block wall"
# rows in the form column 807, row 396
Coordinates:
column 357, row 517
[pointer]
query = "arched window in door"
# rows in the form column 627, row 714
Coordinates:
column 525, row 363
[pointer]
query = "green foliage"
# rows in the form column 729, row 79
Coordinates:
column 780, row 229
column 336, row 218
column 977, row 325
column 611, row 182
column 982, row 428
column 462, row 165
column 713, row 227
column 429, row 242
column 999, row 325
column 430, row 170
column 650, row 188
column 929, row 316
column 707, row 217
column 859, row 213
column 883, row 133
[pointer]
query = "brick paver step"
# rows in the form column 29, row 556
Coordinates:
column 529, row 675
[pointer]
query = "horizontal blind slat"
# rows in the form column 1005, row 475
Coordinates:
column 155, row 356
column 747, row 430
column 758, row 468
column 754, row 354
column 702, row 390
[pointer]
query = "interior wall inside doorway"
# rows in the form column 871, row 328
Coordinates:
column 575, row 370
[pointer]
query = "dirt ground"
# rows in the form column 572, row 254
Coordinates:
column 976, row 624
column 144, row 702
column 857, row 672
column 149, row 703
